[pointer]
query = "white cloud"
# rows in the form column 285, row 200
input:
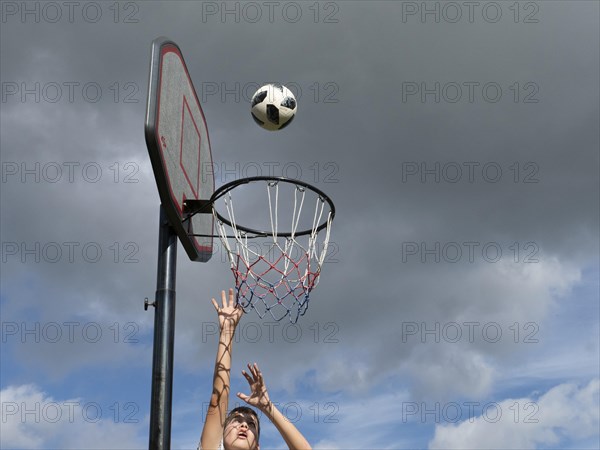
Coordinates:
column 367, row 422
column 479, row 300
column 33, row 419
column 567, row 413
column 447, row 368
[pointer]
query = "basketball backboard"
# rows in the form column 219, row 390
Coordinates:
column 179, row 147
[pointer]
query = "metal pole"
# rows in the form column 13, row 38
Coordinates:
column 164, row 338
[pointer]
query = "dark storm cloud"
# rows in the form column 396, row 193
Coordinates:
column 365, row 133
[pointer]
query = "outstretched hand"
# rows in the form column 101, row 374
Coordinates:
column 259, row 397
column 229, row 313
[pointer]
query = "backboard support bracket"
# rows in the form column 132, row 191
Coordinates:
column 191, row 207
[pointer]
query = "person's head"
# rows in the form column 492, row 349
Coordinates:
column 241, row 430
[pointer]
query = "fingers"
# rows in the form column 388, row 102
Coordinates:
column 243, row 396
column 224, row 301
column 231, row 297
column 259, row 374
column 256, row 374
column 255, row 371
column 248, row 377
column 252, row 371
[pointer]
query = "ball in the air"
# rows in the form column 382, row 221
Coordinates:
column 273, row 107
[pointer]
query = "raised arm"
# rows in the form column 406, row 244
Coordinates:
column 229, row 316
column 259, row 398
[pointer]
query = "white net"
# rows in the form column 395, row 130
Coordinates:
column 276, row 271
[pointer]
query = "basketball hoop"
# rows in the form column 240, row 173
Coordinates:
column 274, row 270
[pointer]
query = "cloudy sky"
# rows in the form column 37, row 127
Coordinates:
column 458, row 307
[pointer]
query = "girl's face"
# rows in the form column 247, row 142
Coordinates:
column 240, row 433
